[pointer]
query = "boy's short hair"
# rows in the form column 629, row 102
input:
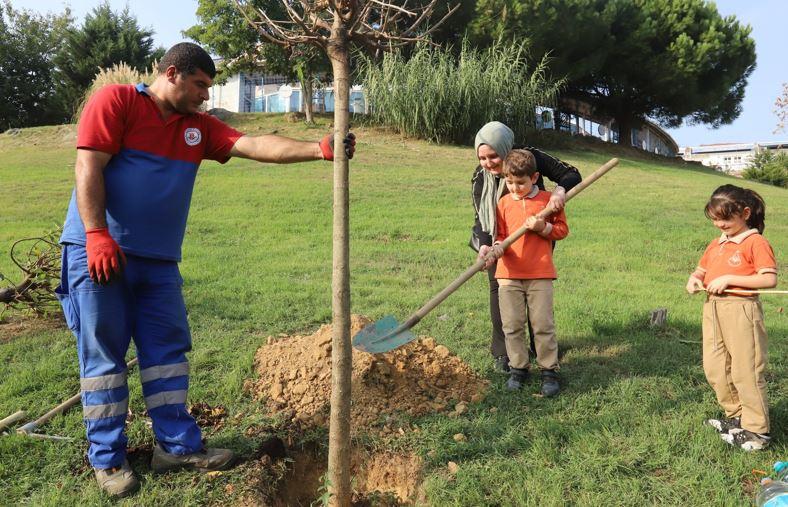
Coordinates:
column 519, row 163
column 188, row 57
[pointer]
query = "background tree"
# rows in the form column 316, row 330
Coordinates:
column 28, row 43
column 243, row 49
column 668, row 60
column 769, row 167
column 781, row 109
column 105, row 38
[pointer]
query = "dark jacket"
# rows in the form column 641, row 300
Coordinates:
column 560, row 173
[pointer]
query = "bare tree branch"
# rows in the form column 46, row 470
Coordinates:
column 308, row 22
column 388, row 6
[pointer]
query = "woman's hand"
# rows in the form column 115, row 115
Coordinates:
column 694, row 285
column 557, row 199
column 718, row 285
column 494, row 252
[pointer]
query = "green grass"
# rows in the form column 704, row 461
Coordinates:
column 257, row 262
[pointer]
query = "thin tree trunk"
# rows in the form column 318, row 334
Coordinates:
column 341, row 352
column 306, row 96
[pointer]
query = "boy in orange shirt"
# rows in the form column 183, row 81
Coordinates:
column 526, row 271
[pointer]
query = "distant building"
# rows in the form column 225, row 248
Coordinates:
column 258, row 93
column 583, row 120
column 730, row 158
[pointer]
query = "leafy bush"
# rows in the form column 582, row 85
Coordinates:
column 437, row 95
column 768, row 167
column 119, row 73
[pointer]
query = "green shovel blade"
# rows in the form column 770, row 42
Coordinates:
column 377, row 337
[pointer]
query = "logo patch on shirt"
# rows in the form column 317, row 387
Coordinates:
column 735, row 259
column 192, row 136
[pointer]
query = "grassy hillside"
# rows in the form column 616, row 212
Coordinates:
column 257, row 262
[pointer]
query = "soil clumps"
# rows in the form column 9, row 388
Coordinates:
column 419, row 378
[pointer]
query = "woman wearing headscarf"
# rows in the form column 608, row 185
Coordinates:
column 493, row 142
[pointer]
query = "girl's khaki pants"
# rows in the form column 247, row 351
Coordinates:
column 734, row 358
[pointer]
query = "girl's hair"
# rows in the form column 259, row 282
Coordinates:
column 729, row 201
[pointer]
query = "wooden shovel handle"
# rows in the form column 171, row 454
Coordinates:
column 479, row 264
column 549, row 210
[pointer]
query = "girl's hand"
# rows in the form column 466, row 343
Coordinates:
column 694, row 285
column 557, row 199
column 535, row 224
column 718, row 285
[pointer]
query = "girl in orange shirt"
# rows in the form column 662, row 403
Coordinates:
column 734, row 335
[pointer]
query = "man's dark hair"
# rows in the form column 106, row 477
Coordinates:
column 188, row 57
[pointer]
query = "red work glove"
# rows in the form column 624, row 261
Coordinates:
column 105, row 258
column 327, row 146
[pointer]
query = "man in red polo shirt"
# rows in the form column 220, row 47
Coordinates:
column 138, row 151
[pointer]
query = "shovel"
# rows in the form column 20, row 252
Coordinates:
column 387, row 334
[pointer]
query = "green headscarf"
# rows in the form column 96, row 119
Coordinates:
column 500, row 138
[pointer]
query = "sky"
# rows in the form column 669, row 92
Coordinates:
column 167, row 18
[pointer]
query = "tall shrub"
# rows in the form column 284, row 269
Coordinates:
column 768, row 167
column 119, row 73
column 438, row 95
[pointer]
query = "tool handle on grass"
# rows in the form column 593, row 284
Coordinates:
column 29, row 427
column 479, row 264
column 11, row 419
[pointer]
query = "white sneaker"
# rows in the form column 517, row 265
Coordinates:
column 746, row 440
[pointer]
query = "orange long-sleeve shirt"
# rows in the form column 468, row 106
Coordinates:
column 531, row 256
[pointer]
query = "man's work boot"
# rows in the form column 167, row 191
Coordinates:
column 119, row 481
column 550, row 385
column 206, row 460
column 517, row 377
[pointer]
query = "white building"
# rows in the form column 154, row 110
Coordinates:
column 258, row 93
column 730, row 158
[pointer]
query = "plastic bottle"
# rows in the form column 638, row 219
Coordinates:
column 781, row 471
column 772, row 494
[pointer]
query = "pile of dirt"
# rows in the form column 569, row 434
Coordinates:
column 416, row 379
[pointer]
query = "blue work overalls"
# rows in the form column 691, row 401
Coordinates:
column 145, row 304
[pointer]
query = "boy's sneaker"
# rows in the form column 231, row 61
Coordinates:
column 746, row 440
column 724, row 424
column 119, row 481
column 502, row 364
column 517, row 377
column 206, row 460
column 550, row 385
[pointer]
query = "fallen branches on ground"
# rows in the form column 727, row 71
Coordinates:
column 39, row 260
